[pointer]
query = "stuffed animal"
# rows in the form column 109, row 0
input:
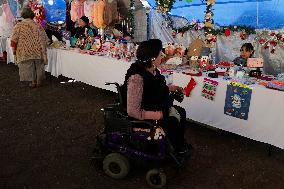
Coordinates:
column 157, row 134
column 170, row 49
column 204, row 62
column 194, row 52
column 97, row 45
column 179, row 50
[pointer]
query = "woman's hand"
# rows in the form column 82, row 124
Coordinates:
column 173, row 88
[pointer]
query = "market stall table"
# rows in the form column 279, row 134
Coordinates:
column 265, row 120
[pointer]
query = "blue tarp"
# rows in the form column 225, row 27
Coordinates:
column 256, row 13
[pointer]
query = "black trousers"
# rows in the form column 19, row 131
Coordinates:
column 174, row 128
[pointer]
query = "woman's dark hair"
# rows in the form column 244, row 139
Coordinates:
column 27, row 13
column 147, row 51
column 248, row 47
column 85, row 19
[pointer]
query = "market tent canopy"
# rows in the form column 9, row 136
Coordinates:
column 256, row 13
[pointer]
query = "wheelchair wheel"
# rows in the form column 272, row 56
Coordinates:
column 156, row 178
column 116, row 165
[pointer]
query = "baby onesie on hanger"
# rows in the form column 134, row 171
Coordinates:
column 77, row 10
column 88, row 9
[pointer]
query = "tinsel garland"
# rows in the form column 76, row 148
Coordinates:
column 210, row 38
column 221, row 30
column 131, row 18
column 164, row 5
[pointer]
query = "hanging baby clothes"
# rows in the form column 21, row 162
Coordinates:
column 8, row 13
column 6, row 24
column 77, row 10
column 104, row 13
column 13, row 6
column 88, row 9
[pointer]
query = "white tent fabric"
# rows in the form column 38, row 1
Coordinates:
column 226, row 48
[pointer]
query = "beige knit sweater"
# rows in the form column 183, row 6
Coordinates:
column 29, row 40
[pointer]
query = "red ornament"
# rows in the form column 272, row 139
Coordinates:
column 243, row 35
column 273, row 43
column 174, row 34
column 262, row 41
column 214, row 39
column 279, row 36
column 266, row 47
column 227, row 32
column 272, row 34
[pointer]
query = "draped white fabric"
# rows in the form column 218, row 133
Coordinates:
column 93, row 70
column 265, row 120
column 226, row 48
column 3, row 41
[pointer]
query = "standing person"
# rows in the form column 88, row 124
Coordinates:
column 148, row 95
column 29, row 42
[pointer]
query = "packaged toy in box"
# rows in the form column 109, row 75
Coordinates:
column 255, row 62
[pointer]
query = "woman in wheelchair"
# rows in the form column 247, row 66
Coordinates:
column 148, row 96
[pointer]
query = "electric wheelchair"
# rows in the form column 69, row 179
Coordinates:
column 124, row 140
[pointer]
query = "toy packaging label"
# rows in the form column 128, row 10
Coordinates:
column 255, row 62
column 209, row 88
column 237, row 101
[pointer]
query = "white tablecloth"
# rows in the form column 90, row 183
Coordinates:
column 90, row 69
column 2, row 45
column 265, row 120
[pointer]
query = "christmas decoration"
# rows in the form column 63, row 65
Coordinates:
column 237, row 101
column 210, row 38
column 227, row 32
column 243, row 35
column 270, row 39
column 194, row 25
column 190, row 86
column 38, row 11
column 131, row 17
column 164, row 5
column 209, row 88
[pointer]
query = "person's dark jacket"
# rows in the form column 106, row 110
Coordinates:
column 155, row 91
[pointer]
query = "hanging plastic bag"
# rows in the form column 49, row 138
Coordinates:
column 55, row 10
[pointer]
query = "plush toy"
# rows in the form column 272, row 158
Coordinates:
column 204, row 62
column 106, row 46
column 39, row 15
column 194, row 52
column 194, row 61
column 180, row 50
column 39, row 12
column 80, row 43
column 157, row 134
column 170, row 49
column 97, row 45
